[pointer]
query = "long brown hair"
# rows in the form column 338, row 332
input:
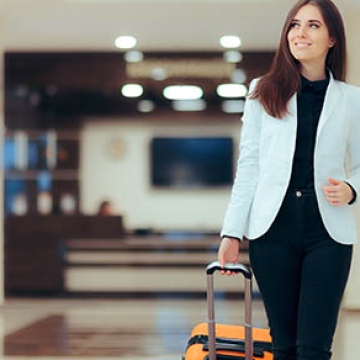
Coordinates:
column 275, row 88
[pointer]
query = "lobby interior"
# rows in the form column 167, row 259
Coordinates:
column 80, row 285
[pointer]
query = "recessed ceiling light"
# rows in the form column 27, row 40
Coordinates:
column 182, row 92
column 231, row 90
column 132, row 90
column 238, row 76
column 230, row 41
column 134, row 56
column 146, row 106
column 125, row 42
column 233, row 106
column 233, row 56
column 158, row 74
column 189, row 105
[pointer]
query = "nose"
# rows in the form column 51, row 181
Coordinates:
column 301, row 32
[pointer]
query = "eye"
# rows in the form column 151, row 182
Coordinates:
column 294, row 24
column 314, row 25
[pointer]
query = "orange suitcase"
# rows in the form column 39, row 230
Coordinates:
column 211, row 341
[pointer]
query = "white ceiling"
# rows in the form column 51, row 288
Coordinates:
column 159, row 25
column 167, row 25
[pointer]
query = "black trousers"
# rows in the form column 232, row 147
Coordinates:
column 301, row 273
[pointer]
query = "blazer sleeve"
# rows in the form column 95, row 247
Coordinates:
column 354, row 146
column 247, row 171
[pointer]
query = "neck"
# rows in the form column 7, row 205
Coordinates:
column 313, row 73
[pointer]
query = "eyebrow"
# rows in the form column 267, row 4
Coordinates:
column 309, row 21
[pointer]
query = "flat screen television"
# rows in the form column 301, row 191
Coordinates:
column 189, row 162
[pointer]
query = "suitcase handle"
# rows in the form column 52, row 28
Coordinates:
column 246, row 272
column 237, row 268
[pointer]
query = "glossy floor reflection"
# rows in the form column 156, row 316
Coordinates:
column 128, row 329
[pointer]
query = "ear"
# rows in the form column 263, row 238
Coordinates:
column 331, row 42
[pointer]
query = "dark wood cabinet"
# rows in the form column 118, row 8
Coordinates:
column 34, row 263
column 35, row 248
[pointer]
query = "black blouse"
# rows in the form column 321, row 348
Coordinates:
column 310, row 100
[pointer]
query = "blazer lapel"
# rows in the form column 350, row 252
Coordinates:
column 292, row 107
column 291, row 119
column 331, row 100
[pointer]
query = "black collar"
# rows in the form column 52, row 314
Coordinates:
column 315, row 86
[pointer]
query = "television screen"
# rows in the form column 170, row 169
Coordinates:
column 191, row 161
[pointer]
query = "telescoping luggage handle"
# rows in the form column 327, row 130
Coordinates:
column 246, row 272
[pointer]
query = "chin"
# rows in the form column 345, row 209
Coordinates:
column 300, row 57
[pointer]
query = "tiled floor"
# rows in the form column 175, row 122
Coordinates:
column 155, row 329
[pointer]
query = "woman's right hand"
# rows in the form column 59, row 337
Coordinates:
column 228, row 253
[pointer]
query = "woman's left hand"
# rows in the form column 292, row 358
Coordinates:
column 338, row 193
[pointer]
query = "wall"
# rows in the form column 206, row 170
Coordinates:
column 351, row 17
column 125, row 178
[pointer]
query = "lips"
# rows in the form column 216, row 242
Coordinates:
column 302, row 44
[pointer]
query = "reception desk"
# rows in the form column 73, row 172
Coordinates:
column 35, row 248
column 91, row 256
column 152, row 265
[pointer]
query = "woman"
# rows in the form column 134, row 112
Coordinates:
column 105, row 208
column 292, row 196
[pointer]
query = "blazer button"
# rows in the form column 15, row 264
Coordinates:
column 298, row 194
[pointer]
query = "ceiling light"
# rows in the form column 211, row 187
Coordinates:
column 132, row 90
column 189, row 105
column 182, row 92
column 125, row 42
column 146, row 106
column 230, row 41
column 233, row 106
column 238, row 76
column 231, row 90
column 134, row 56
column 158, row 74
column 233, row 56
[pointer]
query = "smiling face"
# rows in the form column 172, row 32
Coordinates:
column 308, row 37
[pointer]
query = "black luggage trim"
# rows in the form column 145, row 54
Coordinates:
column 226, row 357
column 231, row 345
column 258, row 351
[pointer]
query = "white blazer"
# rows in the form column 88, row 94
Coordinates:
column 267, row 147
